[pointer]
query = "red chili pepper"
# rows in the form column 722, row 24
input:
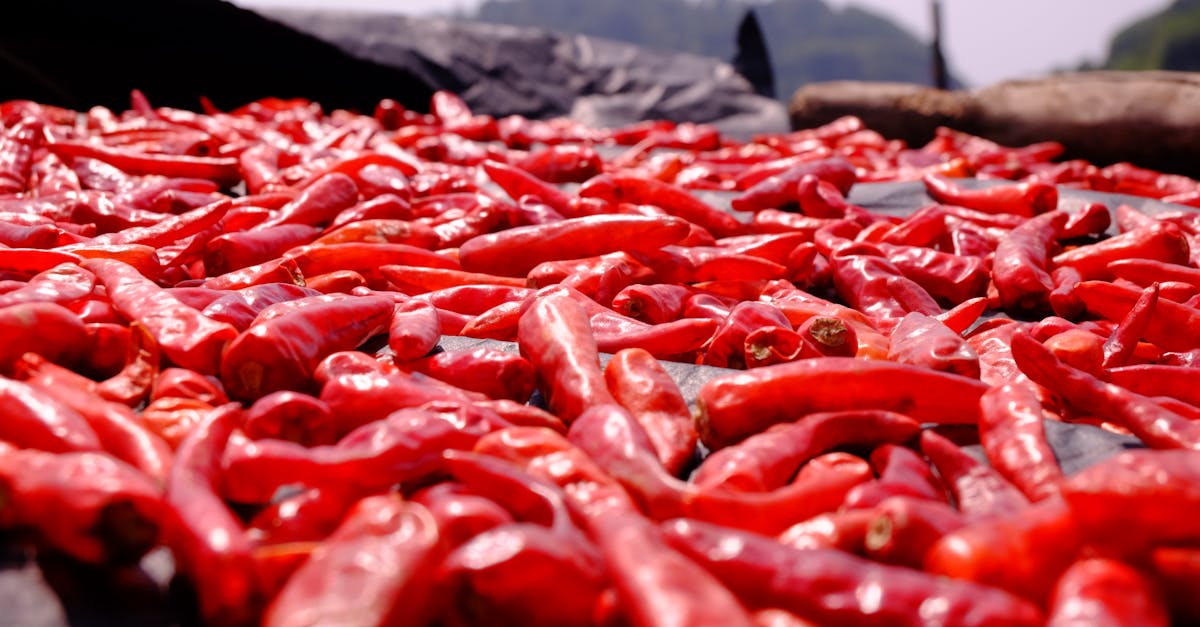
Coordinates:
column 414, row 330
column 727, row 346
column 902, row 472
column 381, row 207
column 363, row 257
column 768, row 460
column 961, row 317
column 208, row 541
column 187, row 338
column 923, row 340
column 1162, row 241
column 779, row 190
column 618, row 444
column 17, row 146
column 119, row 430
column 1101, row 591
column 1024, row 199
column 281, row 352
column 642, row 386
column 222, row 170
column 372, row 568
column 948, row 277
column 1119, row 346
column 131, row 386
column 1020, row 267
column 876, row 287
column 291, row 416
column 506, row 572
column 844, row 530
column 35, row 419
column 356, row 398
column 1153, row 424
column 406, row 446
column 515, row 251
column 827, row 585
column 62, row 284
column 979, row 491
column 518, row 183
column 461, row 512
column 1155, row 380
column 555, row 335
column 905, row 527
column 1173, row 326
column 234, row 251
column 656, row 584
column 88, row 505
column 1014, row 438
column 1136, row 500
column 1147, row 271
column 732, row 407
column 1022, row 553
column 616, row 187
column 495, row 373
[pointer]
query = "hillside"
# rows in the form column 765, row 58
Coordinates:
column 807, row 40
column 1169, row 40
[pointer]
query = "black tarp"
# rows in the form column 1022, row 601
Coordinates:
column 81, row 54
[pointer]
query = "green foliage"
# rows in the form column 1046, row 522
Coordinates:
column 1169, row 40
column 807, row 40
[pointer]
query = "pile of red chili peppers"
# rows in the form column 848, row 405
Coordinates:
column 220, row 338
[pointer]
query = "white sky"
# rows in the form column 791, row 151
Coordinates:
column 985, row 41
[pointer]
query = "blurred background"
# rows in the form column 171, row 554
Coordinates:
column 888, row 40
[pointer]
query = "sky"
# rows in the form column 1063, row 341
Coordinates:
column 984, row 41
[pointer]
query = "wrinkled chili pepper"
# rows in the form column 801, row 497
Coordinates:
column 555, row 335
column 1153, row 424
column 828, row 586
column 1024, row 199
column 641, row 385
column 732, row 407
column 187, row 338
column 373, row 567
column 281, row 352
column 86, row 504
column 208, row 541
column 1022, row 553
column 769, row 459
column 979, row 491
column 1104, row 591
column 1013, row 435
column 902, row 472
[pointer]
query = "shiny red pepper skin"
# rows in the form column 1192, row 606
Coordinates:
column 207, row 539
column 495, row 373
column 222, row 170
column 372, row 569
column 187, row 338
column 1022, row 553
column 768, row 460
column 979, row 491
column 1173, row 326
column 924, row 341
column 281, row 353
column 735, row 406
column 49, row 330
column 86, row 504
column 516, row 251
column 618, row 187
column 1102, row 591
column 1024, row 199
column 826, row 585
column 554, row 334
column 1013, row 435
column 1155, row 425
column 641, row 385
column 1137, row 499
